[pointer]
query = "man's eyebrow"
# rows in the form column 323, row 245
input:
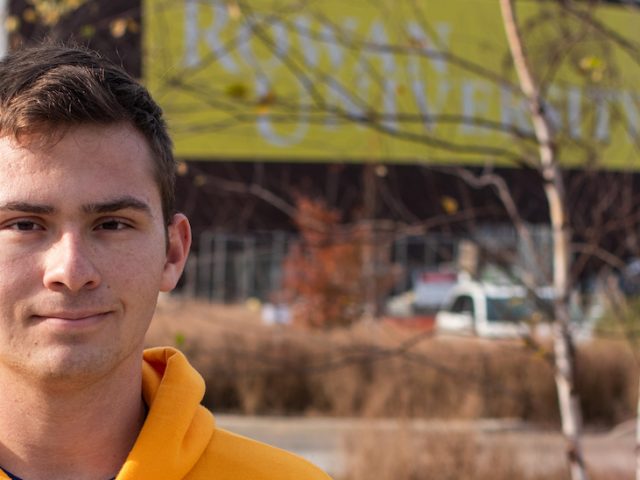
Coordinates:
column 117, row 204
column 26, row 207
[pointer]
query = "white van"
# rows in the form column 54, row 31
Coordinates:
column 496, row 311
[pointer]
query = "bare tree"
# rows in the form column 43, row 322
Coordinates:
column 556, row 197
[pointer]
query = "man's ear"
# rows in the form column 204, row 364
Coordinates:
column 179, row 242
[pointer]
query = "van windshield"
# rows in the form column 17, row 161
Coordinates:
column 512, row 309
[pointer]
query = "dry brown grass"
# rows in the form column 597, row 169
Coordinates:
column 252, row 368
column 442, row 456
column 447, row 455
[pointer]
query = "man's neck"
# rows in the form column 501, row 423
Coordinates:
column 80, row 433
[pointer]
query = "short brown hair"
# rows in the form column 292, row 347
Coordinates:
column 60, row 86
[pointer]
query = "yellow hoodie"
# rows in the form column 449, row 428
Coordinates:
column 180, row 441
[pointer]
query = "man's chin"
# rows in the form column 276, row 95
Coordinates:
column 73, row 364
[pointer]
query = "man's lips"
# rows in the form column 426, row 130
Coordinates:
column 72, row 317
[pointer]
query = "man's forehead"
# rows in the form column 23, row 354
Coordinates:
column 107, row 141
column 37, row 139
column 45, row 137
column 94, row 164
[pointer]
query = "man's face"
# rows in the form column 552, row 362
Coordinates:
column 82, row 252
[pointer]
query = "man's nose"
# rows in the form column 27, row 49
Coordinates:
column 69, row 265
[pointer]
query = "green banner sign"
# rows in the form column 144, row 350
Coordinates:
column 389, row 81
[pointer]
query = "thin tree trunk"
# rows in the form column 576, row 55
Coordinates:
column 554, row 189
column 369, row 251
column 638, row 437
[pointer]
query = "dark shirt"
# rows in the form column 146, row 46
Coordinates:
column 13, row 477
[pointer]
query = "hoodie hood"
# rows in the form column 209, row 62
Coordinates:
column 177, row 429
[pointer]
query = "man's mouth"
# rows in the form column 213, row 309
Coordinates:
column 72, row 318
column 73, row 315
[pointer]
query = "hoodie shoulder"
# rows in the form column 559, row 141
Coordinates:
column 233, row 457
column 180, row 440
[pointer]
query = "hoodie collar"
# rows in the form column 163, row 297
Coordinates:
column 177, row 429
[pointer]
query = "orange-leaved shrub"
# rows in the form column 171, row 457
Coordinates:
column 326, row 278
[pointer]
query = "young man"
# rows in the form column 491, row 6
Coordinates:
column 88, row 237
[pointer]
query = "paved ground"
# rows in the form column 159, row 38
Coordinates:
column 321, row 440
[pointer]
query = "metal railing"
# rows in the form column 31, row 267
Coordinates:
column 228, row 267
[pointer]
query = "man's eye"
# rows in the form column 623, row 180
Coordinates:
column 25, row 226
column 112, row 225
